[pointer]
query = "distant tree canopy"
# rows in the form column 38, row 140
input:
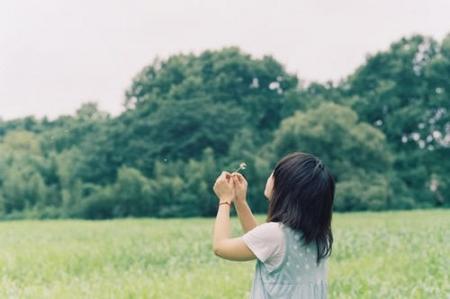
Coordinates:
column 405, row 93
column 225, row 77
column 384, row 132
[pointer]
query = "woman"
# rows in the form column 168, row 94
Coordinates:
column 293, row 245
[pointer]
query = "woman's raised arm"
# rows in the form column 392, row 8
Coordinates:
column 248, row 221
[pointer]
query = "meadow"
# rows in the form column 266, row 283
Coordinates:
column 402, row 254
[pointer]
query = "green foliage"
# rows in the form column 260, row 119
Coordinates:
column 404, row 92
column 355, row 152
column 258, row 86
column 22, row 184
column 130, row 195
column 368, row 192
column 384, row 132
column 333, row 133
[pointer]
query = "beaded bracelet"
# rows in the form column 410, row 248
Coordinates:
column 225, row 202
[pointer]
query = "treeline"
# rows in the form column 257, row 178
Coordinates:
column 384, row 131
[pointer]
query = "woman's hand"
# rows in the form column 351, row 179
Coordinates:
column 240, row 186
column 224, row 188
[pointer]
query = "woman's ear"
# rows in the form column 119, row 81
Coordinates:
column 269, row 187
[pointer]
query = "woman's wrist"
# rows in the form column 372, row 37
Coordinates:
column 241, row 200
column 225, row 199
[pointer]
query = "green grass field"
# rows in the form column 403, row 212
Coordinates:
column 375, row 255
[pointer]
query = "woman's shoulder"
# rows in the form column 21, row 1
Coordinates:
column 272, row 225
column 277, row 227
column 272, row 230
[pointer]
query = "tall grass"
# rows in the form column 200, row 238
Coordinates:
column 375, row 255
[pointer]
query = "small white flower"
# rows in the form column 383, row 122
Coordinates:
column 307, row 266
column 243, row 165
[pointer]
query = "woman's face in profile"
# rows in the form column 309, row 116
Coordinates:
column 269, row 187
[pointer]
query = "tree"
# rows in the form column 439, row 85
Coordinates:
column 258, row 86
column 354, row 151
column 402, row 91
column 21, row 182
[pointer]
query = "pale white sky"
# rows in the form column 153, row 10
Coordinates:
column 56, row 54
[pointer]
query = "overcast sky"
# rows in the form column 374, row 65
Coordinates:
column 56, row 54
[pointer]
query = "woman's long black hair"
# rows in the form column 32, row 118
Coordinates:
column 302, row 198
